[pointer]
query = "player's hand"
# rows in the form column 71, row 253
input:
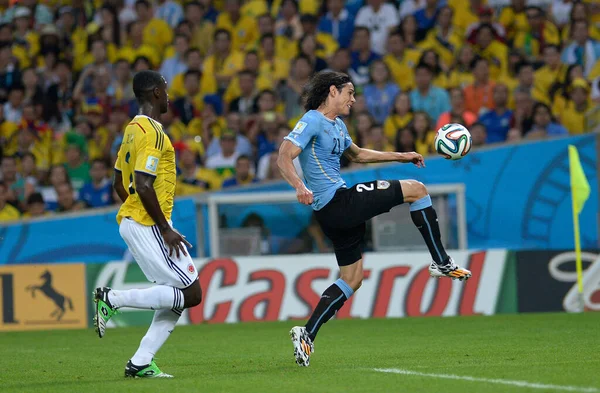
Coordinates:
column 304, row 195
column 175, row 241
column 413, row 157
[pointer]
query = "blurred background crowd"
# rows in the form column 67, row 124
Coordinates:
column 508, row 70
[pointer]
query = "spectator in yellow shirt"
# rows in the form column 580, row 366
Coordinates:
column 443, row 38
column 7, row 212
column 272, row 66
column 573, row 115
column 377, row 140
column 460, row 75
column 491, row 49
column 24, row 36
column 157, row 32
column 580, row 11
column 136, row 46
column 401, row 60
column 541, row 32
column 262, row 78
column 552, row 72
column 326, row 44
column 466, row 14
column 193, row 62
column 202, row 29
column 400, row 118
column 513, row 19
column 243, row 29
column 422, row 128
column 220, row 67
column 194, row 178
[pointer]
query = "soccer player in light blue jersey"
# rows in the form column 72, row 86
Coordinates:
column 320, row 139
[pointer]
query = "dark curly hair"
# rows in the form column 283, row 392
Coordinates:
column 316, row 91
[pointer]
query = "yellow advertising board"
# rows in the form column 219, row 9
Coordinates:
column 39, row 297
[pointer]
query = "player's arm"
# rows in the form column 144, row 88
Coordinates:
column 287, row 153
column 118, row 186
column 365, row 156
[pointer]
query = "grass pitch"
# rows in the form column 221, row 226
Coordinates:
column 562, row 350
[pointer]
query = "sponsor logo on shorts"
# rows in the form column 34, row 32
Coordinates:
column 383, row 185
column 191, row 268
column 152, row 164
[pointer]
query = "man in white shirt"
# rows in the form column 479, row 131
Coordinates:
column 379, row 17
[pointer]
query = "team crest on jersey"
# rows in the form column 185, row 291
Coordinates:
column 299, row 128
column 152, row 164
column 383, row 185
column 191, row 268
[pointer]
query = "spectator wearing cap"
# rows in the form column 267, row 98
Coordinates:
column 243, row 29
column 24, row 35
column 7, row 212
column 243, row 145
column 379, row 18
column 540, row 32
column 176, row 64
column 583, row 50
column 243, row 174
column 36, row 207
column 221, row 66
column 39, row 14
column 426, row 97
column 98, row 191
column 326, row 44
column 156, row 32
column 573, row 116
column 362, row 56
column 170, row 11
column 514, row 19
column 488, row 47
column 193, row 178
column 443, row 38
column 338, row 22
column 498, row 121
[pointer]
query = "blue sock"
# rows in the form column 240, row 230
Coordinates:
column 331, row 301
column 425, row 219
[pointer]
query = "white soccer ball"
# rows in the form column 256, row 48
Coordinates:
column 453, row 141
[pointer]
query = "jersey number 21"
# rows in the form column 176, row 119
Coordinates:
column 337, row 146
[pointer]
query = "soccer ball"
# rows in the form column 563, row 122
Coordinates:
column 453, row 141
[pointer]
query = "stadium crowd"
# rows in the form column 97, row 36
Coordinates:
column 236, row 70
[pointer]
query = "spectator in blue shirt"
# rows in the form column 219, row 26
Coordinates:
column 362, row 57
column 380, row 93
column 543, row 124
column 428, row 98
column 176, row 64
column 98, row 192
column 338, row 22
column 242, row 173
column 426, row 16
column 498, row 120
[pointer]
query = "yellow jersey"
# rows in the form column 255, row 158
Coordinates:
column 146, row 148
column 9, row 213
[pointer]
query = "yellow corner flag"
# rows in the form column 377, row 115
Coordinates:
column 580, row 192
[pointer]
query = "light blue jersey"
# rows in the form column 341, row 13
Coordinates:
column 323, row 142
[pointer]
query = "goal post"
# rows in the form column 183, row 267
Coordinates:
column 447, row 197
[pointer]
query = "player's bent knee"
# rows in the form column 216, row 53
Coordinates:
column 413, row 190
column 192, row 295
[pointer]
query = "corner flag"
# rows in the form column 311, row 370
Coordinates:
column 580, row 192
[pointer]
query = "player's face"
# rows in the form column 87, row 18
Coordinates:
column 345, row 99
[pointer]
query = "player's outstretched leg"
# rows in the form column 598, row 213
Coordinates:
column 108, row 301
column 425, row 219
column 331, row 301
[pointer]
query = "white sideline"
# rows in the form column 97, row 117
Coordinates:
column 523, row 384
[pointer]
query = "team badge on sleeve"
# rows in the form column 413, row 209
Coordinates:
column 383, row 185
column 299, row 128
column 152, row 164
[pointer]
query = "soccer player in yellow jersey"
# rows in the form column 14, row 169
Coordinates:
column 145, row 182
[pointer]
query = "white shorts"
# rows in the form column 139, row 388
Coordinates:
column 152, row 255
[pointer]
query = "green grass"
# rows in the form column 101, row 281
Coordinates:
column 559, row 349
